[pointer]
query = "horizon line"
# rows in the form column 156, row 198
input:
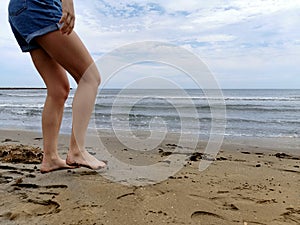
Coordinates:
column 116, row 88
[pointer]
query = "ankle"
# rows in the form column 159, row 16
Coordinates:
column 50, row 157
column 76, row 150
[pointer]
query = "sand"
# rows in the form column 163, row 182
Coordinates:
column 245, row 184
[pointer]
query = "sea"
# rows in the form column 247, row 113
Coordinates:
column 249, row 112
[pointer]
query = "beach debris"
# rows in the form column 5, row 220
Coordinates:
column 30, row 175
column 231, row 206
column 124, row 195
column 21, row 154
column 292, row 214
column 156, row 212
column 6, row 140
column 196, row 156
column 19, row 181
column 247, row 153
column 9, row 140
column 173, row 146
column 283, row 155
column 259, row 153
column 164, row 153
column 23, row 185
column 38, row 138
column 268, row 201
column 198, row 215
column 222, row 192
column 221, row 158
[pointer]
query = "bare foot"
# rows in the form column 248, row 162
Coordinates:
column 54, row 165
column 84, row 159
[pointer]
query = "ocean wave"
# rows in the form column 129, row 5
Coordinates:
column 264, row 113
column 24, row 95
column 263, row 121
column 21, row 105
column 189, row 97
column 146, row 107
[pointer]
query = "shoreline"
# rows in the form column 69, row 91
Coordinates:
column 243, row 185
column 280, row 144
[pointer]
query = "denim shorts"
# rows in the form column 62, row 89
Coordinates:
column 32, row 18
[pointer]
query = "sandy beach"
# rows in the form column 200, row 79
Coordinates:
column 248, row 183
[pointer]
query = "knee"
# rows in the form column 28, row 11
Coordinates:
column 91, row 77
column 59, row 94
column 96, row 78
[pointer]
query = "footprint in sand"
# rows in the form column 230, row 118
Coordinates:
column 207, row 218
column 31, row 209
column 5, row 179
column 291, row 215
column 42, row 207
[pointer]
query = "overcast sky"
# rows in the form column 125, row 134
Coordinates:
column 245, row 43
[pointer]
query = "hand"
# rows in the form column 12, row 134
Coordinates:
column 68, row 17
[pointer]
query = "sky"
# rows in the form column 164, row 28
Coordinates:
column 244, row 43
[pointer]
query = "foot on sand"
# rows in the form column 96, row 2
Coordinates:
column 54, row 165
column 85, row 159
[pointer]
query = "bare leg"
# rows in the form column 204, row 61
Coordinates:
column 83, row 105
column 58, row 88
column 69, row 52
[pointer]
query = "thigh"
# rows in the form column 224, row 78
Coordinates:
column 53, row 74
column 68, row 51
column 32, row 18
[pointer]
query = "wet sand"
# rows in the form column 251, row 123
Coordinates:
column 246, row 184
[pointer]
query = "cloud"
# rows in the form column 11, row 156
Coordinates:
column 235, row 38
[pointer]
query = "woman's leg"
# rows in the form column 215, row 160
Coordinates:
column 70, row 52
column 58, row 88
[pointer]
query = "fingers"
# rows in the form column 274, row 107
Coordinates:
column 68, row 21
column 68, row 17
